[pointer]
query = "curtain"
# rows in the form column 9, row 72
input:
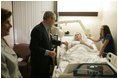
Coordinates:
column 26, row 15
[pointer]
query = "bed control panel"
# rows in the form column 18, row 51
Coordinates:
column 94, row 70
column 97, row 70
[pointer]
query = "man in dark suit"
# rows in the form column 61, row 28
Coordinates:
column 40, row 46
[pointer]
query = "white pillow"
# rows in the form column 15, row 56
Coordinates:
column 84, row 38
column 71, row 38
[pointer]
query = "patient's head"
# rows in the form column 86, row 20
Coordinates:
column 78, row 36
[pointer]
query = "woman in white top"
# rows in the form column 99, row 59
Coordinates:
column 9, row 62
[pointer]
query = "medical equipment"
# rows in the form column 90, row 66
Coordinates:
column 73, row 21
column 58, row 31
column 99, row 70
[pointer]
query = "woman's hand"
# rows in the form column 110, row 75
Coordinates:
column 99, row 55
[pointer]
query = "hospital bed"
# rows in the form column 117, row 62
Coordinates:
column 83, row 55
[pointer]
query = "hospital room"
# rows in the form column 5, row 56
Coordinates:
column 59, row 39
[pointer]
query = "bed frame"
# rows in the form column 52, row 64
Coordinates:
column 112, row 60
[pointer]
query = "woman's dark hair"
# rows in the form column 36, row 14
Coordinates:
column 5, row 14
column 106, row 31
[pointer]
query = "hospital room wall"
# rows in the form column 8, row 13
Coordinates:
column 94, row 23
column 10, row 38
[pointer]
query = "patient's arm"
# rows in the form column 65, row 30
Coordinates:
column 82, row 42
column 90, row 47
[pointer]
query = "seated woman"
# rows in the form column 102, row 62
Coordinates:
column 107, row 40
column 77, row 40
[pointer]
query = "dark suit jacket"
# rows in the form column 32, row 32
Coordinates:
column 38, row 45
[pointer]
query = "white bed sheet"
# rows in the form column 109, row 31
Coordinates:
column 77, row 54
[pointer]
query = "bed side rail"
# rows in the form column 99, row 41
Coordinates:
column 112, row 60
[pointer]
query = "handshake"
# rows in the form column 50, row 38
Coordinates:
column 53, row 54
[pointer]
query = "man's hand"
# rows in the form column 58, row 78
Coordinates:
column 65, row 43
column 52, row 54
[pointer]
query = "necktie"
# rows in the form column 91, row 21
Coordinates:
column 49, row 29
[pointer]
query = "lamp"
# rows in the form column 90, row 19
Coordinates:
column 60, row 33
column 72, row 21
column 57, row 31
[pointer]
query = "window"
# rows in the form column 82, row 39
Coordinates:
column 78, row 7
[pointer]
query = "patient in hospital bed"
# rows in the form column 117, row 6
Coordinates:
column 79, row 50
column 78, row 47
column 77, row 40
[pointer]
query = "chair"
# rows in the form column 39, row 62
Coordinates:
column 22, row 50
